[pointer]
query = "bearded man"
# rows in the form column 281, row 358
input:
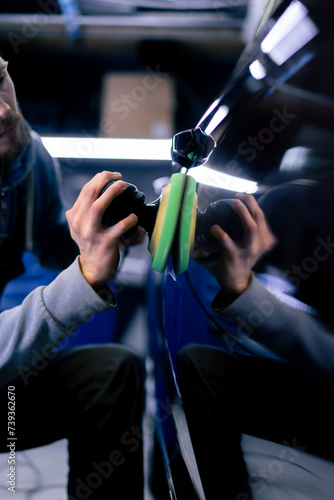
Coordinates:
column 90, row 395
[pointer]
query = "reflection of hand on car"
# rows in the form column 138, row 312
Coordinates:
column 233, row 270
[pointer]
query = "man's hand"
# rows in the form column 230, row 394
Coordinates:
column 98, row 244
column 237, row 258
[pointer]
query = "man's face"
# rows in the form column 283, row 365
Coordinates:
column 14, row 136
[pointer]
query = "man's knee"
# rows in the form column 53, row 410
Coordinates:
column 113, row 357
column 188, row 355
column 196, row 362
column 133, row 366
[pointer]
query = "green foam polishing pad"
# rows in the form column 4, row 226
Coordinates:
column 166, row 222
column 185, row 237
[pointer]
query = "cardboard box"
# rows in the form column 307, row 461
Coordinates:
column 139, row 105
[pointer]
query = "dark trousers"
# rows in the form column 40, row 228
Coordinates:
column 94, row 397
column 225, row 396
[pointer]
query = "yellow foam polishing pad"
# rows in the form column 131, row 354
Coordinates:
column 159, row 221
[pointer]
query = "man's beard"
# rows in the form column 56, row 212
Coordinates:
column 18, row 142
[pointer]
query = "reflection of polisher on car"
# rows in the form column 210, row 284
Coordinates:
column 271, row 120
column 173, row 221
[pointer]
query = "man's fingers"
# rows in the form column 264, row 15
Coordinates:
column 246, row 218
column 90, row 204
column 102, row 202
column 218, row 232
column 123, row 226
column 222, row 237
column 253, row 207
column 134, row 239
column 91, row 191
column 258, row 223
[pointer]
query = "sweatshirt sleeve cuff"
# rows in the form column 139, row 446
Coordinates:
column 223, row 305
column 71, row 300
